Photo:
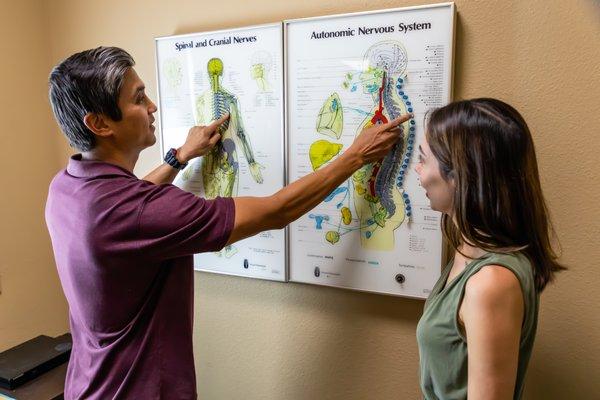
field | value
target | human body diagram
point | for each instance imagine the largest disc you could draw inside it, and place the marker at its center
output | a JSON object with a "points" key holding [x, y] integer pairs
{"points": [[374, 201], [220, 167]]}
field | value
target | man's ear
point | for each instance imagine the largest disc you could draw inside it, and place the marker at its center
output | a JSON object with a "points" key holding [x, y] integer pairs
{"points": [[97, 124]]}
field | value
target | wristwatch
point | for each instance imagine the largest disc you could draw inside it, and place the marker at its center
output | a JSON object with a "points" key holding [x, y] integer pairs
{"points": [[171, 159]]}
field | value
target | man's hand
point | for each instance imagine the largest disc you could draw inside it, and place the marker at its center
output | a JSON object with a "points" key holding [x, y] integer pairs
{"points": [[374, 142], [200, 140]]}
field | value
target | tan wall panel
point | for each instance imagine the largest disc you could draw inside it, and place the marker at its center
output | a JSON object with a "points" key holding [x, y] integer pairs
{"points": [[32, 302]]}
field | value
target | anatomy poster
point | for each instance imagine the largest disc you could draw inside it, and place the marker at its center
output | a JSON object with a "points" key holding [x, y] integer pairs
{"points": [[240, 72], [375, 232]]}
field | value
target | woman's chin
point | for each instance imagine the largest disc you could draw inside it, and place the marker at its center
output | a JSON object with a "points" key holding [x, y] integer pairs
{"points": [[433, 206]]}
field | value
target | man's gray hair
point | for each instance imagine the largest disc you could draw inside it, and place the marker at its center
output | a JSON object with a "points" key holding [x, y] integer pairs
{"points": [[87, 82]]}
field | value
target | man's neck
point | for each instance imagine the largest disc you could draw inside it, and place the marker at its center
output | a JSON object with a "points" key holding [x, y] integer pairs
{"points": [[111, 156]]}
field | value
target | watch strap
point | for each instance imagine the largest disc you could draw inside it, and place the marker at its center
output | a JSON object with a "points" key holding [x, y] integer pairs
{"points": [[171, 159]]}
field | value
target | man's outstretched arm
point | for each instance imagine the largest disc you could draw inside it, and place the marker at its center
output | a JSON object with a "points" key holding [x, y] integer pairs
{"points": [[257, 214]]}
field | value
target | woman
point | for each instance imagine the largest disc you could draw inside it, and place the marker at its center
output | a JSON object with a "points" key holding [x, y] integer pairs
{"points": [[479, 168]]}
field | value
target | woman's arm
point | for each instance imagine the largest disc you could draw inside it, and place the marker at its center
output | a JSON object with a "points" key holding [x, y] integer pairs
{"points": [[492, 313]]}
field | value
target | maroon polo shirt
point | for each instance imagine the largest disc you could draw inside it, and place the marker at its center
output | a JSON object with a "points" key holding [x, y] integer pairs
{"points": [[123, 249]]}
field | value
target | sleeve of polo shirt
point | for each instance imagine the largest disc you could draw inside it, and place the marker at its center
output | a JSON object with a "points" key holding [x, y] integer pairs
{"points": [[175, 223]]}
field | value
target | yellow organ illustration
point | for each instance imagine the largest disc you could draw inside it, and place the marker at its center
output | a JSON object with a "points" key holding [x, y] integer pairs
{"points": [[331, 117], [322, 151], [346, 215]]}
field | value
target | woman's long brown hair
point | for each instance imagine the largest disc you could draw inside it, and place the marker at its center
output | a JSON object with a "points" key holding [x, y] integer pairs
{"points": [[485, 146]]}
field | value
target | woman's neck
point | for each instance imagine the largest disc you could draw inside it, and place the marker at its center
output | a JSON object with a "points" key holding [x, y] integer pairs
{"points": [[471, 252]]}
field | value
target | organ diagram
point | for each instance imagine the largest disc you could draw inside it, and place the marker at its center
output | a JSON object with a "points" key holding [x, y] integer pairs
{"points": [[374, 202], [261, 65], [347, 73]]}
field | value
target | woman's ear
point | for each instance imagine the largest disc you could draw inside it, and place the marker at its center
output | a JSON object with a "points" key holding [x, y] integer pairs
{"points": [[96, 123], [451, 178]]}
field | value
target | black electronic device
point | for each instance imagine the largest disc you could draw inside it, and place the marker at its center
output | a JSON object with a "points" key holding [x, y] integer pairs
{"points": [[29, 360]]}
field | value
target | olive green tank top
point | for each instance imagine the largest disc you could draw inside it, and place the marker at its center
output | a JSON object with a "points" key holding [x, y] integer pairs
{"points": [[442, 346]]}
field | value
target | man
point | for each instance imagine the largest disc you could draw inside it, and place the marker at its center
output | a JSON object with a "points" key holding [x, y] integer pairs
{"points": [[124, 246]]}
